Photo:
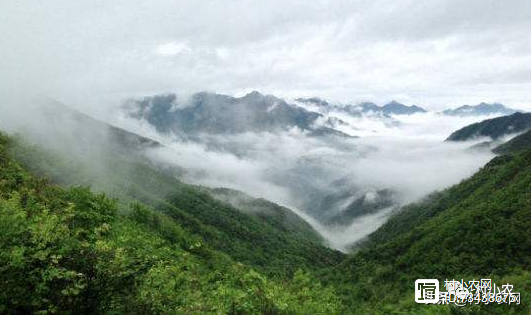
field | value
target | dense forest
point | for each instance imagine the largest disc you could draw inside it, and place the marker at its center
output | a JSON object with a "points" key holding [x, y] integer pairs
{"points": [[476, 229], [70, 250]]}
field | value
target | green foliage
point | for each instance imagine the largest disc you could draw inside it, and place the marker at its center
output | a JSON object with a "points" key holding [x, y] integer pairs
{"points": [[69, 251], [270, 239], [516, 144], [476, 229], [46, 237]]}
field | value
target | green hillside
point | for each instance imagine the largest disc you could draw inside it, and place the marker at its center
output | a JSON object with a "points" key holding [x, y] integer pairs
{"points": [[476, 229], [268, 211], [70, 251], [516, 144], [274, 247]]}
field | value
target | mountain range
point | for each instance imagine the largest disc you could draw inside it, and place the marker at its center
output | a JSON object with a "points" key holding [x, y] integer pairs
{"points": [[218, 115], [221, 114], [396, 108], [211, 113], [391, 108]]}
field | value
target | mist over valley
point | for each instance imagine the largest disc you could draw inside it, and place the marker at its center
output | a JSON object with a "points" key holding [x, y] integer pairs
{"points": [[272, 157]]}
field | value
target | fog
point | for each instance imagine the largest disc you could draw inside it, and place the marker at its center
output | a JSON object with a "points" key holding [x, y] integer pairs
{"points": [[409, 158], [298, 171]]}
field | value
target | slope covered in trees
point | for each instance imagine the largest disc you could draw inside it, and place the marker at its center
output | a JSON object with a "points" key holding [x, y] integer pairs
{"points": [[69, 250], [516, 144], [120, 169], [271, 212], [476, 229]]}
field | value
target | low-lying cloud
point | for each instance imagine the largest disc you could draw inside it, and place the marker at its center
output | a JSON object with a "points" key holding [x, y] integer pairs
{"points": [[291, 168], [298, 171]]}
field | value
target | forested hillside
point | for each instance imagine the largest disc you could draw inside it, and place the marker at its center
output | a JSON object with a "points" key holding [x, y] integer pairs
{"points": [[120, 170], [516, 144], [476, 229], [68, 250]]}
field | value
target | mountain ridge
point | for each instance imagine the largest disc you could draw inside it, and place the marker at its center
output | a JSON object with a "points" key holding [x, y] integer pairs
{"points": [[494, 127], [481, 109], [475, 229], [124, 173], [222, 114], [391, 108]]}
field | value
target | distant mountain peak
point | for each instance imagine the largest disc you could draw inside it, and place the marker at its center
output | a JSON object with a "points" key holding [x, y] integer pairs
{"points": [[394, 103], [396, 108], [481, 109], [212, 113], [313, 100], [253, 94], [391, 108], [369, 106]]}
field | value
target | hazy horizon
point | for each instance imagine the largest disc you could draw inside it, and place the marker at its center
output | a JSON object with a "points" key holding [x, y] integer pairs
{"points": [[436, 54]]}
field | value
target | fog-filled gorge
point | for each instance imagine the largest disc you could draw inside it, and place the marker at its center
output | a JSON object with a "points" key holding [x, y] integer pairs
{"points": [[372, 170], [320, 176]]}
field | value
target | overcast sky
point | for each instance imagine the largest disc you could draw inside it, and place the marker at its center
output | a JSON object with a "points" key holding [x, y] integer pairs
{"points": [[432, 53]]}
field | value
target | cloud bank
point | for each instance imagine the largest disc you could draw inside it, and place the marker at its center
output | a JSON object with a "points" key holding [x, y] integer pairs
{"points": [[436, 53], [411, 159]]}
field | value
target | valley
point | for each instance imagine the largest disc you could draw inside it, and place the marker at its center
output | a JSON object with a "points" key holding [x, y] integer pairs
{"points": [[334, 208]]}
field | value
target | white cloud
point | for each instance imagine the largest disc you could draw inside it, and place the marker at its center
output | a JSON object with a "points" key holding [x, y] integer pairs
{"points": [[171, 49], [434, 53], [296, 171]]}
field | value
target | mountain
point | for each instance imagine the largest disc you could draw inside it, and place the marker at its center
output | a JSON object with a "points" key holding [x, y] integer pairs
{"points": [[314, 100], [493, 128], [348, 201], [368, 203], [368, 106], [391, 108], [90, 155], [395, 108], [69, 250], [269, 211], [482, 109], [477, 229], [516, 144], [221, 114]]}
